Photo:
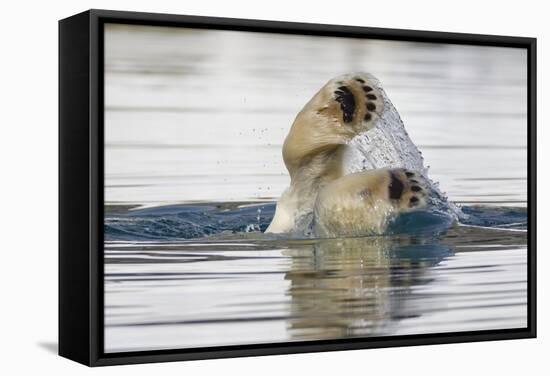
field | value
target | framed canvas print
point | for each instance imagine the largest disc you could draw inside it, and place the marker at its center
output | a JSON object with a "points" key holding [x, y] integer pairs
{"points": [[236, 187]]}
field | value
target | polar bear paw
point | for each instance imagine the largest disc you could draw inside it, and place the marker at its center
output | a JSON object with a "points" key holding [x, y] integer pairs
{"points": [[343, 108], [359, 102], [407, 189]]}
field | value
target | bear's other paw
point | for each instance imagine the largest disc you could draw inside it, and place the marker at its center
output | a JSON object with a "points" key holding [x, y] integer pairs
{"points": [[407, 189], [363, 203]]}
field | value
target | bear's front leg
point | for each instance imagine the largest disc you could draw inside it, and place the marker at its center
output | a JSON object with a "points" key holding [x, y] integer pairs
{"points": [[343, 108]]}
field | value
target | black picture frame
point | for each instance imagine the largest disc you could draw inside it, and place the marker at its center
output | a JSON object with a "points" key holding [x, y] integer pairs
{"points": [[81, 186]]}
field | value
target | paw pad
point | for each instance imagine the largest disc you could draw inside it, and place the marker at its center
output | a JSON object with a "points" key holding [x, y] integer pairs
{"points": [[347, 103], [396, 187], [367, 89], [407, 189], [360, 103]]}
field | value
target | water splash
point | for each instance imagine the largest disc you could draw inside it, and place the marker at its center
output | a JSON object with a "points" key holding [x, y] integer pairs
{"points": [[388, 145]]}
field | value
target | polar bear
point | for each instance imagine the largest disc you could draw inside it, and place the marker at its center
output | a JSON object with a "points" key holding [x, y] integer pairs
{"points": [[321, 195]]}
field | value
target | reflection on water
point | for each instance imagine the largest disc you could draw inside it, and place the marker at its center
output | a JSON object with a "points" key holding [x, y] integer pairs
{"points": [[196, 116], [247, 290], [356, 287]]}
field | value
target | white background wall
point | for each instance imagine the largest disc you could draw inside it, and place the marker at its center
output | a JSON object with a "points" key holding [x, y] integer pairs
{"points": [[28, 277]]}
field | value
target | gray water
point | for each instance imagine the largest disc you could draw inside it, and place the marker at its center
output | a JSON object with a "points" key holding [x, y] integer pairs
{"points": [[196, 116]]}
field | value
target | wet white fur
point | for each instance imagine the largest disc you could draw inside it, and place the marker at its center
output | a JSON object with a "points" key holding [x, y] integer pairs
{"points": [[313, 154]]}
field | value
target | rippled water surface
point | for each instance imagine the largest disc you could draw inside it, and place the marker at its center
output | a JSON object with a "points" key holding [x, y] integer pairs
{"points": [[194, 125]]}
